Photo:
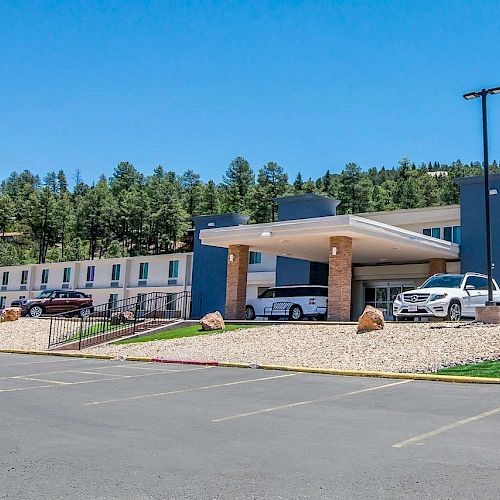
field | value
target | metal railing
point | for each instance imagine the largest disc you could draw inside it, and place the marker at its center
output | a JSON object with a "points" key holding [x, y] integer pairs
{"points": [[121, 318]]}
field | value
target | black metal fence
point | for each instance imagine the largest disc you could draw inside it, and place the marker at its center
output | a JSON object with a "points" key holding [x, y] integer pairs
{"points": [[121, 318]]}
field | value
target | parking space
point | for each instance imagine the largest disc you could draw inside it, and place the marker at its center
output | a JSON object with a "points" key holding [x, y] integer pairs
{"points": [[84, 428]]}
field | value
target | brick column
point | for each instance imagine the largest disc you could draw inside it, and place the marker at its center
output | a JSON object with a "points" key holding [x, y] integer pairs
{"points": [[339, 278], [437, 266], [236, 288]]}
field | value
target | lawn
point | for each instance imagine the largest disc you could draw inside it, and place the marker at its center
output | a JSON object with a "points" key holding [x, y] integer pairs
{"points": [[177, 333], [485, 369]]}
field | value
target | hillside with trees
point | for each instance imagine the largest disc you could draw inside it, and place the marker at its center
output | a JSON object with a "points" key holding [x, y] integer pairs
{"points": [[127, 214]]}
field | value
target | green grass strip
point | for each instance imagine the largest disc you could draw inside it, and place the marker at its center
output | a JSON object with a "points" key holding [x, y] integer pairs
{"points": [[185, 331], [484, 369]]}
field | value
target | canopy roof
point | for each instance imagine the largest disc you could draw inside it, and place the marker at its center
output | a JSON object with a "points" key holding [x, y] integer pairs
{"points": [[373, 242]]}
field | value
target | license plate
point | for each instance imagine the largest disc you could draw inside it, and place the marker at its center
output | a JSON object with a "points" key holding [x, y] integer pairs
{"points": [[412, 309]]}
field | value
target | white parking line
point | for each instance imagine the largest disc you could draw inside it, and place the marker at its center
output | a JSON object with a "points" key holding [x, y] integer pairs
{"points": [[66, 360], [311, 401], [192, 389], [56, 383], [445, 428]]}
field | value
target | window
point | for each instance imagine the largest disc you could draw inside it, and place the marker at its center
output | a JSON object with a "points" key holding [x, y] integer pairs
{"points": [[77, 295], [115, 273], [452, 233], [435, 232], [66, 274], [173, 269], [45, 276], [477, 282], [171, 304], [255, 258], [24, 277], [5, 278], [90, 273], [143, 270], [61, 295], [113, 300], [444, 281], [268, 294], [2, 302], [141, 301]]}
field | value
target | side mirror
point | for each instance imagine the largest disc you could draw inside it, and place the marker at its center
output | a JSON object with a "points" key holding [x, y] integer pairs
{"points": [[470, 287]]}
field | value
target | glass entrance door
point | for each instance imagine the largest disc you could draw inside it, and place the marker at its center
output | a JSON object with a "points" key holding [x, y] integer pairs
{"points": [[383, 295]]}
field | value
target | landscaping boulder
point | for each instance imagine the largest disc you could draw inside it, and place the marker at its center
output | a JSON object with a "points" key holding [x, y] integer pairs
{"points": [[10, 314], [371, 319], [212, 321]]}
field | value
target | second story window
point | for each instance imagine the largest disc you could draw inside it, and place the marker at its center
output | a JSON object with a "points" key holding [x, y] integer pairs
{"points": [[143, 270], [45, 276], [115, 272], [435, 232], [66, 274], [5, 278], [90, 273], [452, 233], [173, 269], [24, 277], [255, 258]]}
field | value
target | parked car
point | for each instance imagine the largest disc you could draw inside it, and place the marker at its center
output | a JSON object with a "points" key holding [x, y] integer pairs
{"points": [[448, 296], [55, 301], [294, 302]]}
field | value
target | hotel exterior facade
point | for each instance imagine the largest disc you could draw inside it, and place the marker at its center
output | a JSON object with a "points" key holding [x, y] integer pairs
{"points": [[363, 258]]}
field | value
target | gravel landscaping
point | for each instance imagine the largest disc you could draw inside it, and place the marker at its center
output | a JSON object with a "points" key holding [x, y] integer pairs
{"points": [[400, 347], [25, 333]]}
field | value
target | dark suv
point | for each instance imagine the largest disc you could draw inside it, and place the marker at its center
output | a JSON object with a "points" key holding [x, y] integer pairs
{"points": [[55, 301]]}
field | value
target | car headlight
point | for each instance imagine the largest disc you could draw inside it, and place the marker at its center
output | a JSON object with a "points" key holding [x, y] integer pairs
{"points": [[437, 296], [398, 297]]}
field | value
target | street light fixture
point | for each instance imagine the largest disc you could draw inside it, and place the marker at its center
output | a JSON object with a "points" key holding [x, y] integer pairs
{"points": [[474, 95]]}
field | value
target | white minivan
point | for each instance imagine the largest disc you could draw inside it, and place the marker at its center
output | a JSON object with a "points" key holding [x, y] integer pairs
{"points": [[293, 302]]}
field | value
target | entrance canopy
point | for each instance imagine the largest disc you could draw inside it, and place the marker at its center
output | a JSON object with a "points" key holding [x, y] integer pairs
{"points": [[372, 242]]}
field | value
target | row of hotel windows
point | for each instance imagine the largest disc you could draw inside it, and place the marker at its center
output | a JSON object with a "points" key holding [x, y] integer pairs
{"points": [[448, 233], [173, 273]]}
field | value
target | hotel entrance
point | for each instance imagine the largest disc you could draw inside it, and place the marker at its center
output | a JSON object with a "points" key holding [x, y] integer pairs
{"points": [[382, 295]]}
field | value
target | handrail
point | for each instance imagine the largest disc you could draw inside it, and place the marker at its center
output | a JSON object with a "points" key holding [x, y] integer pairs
{"points": [[121, 318]]}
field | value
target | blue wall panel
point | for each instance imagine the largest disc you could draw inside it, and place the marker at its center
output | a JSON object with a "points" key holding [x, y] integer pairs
{"points": [[473, 245], [210, 263]]}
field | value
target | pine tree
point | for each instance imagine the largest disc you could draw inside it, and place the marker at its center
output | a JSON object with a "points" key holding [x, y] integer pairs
{"points": [[238, 180]]}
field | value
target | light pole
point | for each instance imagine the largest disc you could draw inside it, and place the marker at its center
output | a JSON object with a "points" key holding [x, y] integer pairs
{"points": [[473, 95]]}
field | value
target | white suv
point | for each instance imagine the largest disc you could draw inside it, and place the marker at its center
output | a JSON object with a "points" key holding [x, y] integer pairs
{"points": [[294, 302], [449, 296]]}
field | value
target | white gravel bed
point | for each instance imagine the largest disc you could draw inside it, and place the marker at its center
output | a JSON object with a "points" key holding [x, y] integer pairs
{"points": [[25, 333], [400, 347]]}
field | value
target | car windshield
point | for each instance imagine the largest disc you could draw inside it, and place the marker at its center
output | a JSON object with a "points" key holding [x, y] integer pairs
{"points": [[444, 281], [44, 295]]}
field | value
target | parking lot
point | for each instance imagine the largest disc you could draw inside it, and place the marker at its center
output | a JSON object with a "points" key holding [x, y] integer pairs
{"points": [[83, 428]]}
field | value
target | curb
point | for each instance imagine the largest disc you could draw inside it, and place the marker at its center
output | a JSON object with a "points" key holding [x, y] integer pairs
{"points": [[298, 369]]}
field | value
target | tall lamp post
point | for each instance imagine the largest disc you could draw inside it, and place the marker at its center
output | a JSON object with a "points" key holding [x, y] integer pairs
{"points": [[473, 95]]}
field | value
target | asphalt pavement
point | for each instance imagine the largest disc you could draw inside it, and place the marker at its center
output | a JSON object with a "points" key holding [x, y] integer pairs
{"points": [[82, 428]]}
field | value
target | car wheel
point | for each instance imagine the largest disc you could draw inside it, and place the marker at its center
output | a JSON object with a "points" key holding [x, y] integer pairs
{"points": [[84, 313], [35, 311], [454, 311], [249, 313], [296, 313]]}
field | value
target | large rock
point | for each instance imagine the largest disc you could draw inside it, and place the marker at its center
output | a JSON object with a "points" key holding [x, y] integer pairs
{"points": [[10, 314], [371, 319], [213, 321]]}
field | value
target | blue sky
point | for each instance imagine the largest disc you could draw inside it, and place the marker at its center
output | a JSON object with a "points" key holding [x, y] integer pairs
{"points": [[310, 85]]}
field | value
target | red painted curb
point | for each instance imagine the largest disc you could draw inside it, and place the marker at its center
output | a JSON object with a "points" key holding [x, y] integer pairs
{"points": [[183, 362]]}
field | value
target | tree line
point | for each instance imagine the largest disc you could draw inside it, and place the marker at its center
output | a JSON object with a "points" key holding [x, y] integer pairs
{"points": [[132, 214]]}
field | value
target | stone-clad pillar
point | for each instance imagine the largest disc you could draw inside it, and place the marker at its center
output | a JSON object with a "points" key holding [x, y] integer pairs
{"points": [[236, 288], [339, 278], [437, 266]]}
